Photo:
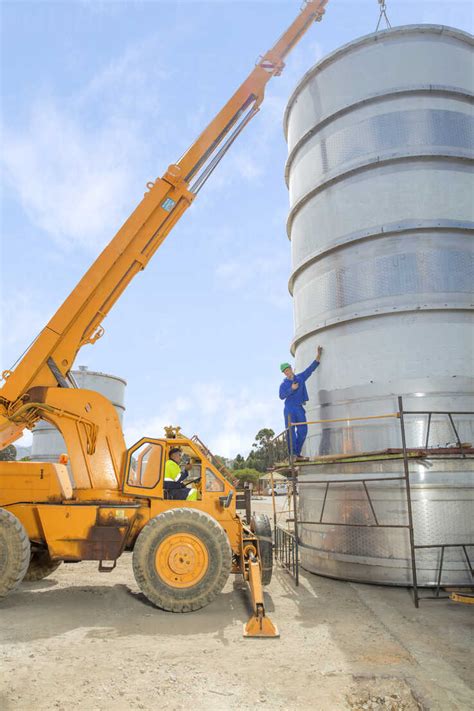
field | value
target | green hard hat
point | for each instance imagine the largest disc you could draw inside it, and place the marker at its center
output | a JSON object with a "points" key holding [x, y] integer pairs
{"points": [[284, 366]]}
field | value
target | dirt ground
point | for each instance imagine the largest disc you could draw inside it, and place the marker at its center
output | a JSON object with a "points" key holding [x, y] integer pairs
{"points": [[90, 641]]}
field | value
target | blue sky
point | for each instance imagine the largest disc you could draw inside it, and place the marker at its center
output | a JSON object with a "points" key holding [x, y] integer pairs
{"points": [[97, 99]]}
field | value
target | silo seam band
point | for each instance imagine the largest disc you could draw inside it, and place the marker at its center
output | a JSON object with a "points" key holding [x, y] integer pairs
{"points": [[360, 315], [380, 233], [429, 155], [399, 92]]}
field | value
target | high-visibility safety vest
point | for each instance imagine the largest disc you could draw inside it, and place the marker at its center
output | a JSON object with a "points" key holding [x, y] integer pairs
{"points": [[172, 471]]}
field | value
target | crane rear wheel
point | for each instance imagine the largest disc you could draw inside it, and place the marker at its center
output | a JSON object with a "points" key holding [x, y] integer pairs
{"points": [[182, 559], [260, 525], [40, 566], [14, 552]]}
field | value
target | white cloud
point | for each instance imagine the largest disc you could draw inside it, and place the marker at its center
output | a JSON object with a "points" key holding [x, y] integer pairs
{"points": [[22, 317], [232, 274], [225, 418], [26, 440], [122, 87], [257, 276], [77, 177], [75, 162], [247, 166], [73, 183]]}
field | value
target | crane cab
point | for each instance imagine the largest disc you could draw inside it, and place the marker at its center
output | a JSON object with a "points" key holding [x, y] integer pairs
{"points": [[144, 473]]}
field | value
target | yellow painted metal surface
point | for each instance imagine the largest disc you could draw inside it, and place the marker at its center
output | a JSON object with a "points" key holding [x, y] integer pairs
{"points": [[182, 560], [66, 528], [92, 433], [463, 597], [259, 625], [33, 481], [86, 532], [28, 515]]}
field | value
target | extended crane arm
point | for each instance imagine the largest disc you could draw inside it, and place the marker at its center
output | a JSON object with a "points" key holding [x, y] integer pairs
{"points": [[78, 321]]}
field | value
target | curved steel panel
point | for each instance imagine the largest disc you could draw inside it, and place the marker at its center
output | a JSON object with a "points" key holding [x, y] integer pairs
{"points": [[381, 62], [398, 134], [410, 95], [432, 192], [381, 143], [442, 513]]}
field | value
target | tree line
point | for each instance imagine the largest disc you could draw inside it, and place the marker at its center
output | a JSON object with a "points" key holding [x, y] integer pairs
{"points": [[263, 454]]}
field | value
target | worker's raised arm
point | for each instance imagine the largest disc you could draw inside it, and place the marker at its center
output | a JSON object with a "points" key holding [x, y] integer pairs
{"points": [[78, 321], [304, 375]]}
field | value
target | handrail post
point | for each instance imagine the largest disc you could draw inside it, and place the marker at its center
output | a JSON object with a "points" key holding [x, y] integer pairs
{"points": [[273, 502], [456, 434], [406, 469], [295, 502]]}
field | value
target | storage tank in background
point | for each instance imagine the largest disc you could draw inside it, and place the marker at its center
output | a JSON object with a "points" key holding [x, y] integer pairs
{"points": [[47, 441], [380, 137]]}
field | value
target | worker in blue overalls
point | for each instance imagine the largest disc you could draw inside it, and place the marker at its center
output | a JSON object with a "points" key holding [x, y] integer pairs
{"points": [[293, 392]]}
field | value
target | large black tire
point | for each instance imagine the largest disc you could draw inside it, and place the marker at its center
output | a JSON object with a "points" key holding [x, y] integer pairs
{"points": [[182, 559], [261, 526], [40, 566], [14, 552]]}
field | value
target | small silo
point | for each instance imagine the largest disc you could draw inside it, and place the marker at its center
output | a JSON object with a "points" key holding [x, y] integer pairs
{"points": [[380, 138], [47, 441]]}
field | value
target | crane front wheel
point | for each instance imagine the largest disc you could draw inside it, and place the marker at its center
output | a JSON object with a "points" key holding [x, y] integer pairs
{"points": [[40, 566], [182, 559], [14, 552]]}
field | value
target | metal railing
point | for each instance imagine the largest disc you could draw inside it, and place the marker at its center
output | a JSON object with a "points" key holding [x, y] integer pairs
{"points": [[282, 546], [286, 550], [442, 546]]}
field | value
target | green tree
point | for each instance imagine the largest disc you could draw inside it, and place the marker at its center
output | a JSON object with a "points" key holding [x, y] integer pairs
{"points": [[260, 456], [225, 467], [247, 474], [239, 462], [8, 454], [264, 437]]}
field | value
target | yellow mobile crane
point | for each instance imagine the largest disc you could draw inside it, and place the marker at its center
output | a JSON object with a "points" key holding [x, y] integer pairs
{"points": [[183, 551]]}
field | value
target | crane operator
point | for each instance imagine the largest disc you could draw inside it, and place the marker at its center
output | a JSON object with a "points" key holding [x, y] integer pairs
{"points": [[174, 477]]}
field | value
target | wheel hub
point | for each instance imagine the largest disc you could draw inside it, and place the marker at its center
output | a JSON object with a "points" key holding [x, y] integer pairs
{"points": [[181, 560]]}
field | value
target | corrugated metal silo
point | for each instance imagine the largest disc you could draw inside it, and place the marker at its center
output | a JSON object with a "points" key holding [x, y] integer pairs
{"points": [[380, 137]]}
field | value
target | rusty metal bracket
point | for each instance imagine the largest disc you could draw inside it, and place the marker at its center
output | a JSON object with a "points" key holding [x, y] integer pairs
{"points": [[107, 568]]}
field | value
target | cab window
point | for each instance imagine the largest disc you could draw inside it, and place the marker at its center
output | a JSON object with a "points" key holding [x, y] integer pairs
{"points": [[145, 466], [213, 483]]}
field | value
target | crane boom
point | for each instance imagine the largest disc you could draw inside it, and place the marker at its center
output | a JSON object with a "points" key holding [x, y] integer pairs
{"points": [[48, 361]]}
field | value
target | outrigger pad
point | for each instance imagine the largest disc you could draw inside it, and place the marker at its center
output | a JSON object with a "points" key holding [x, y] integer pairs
{"points": [[260, 627]]}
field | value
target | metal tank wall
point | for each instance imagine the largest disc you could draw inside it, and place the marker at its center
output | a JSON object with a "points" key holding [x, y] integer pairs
{"points": [[380, 137], [47, 442]]}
